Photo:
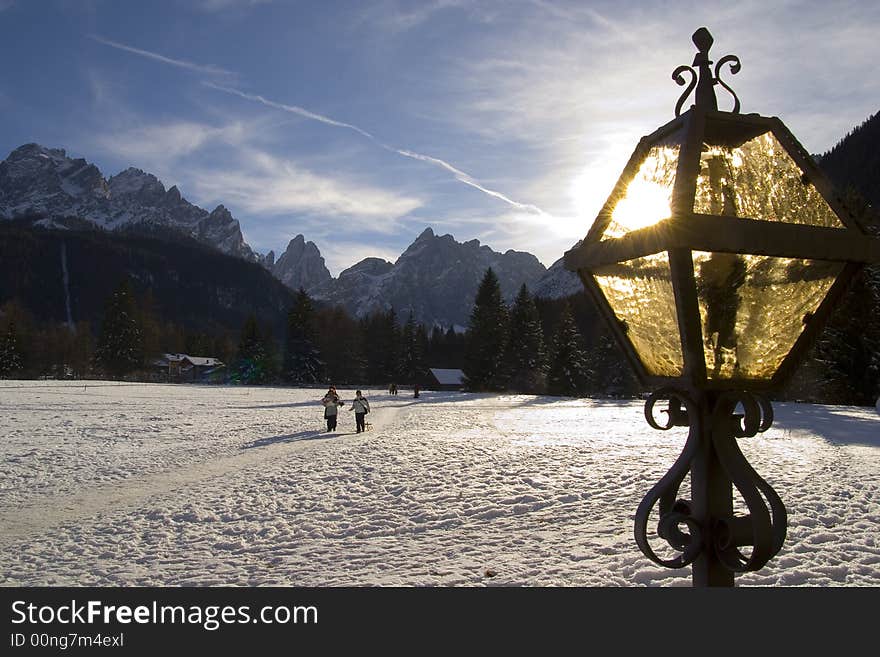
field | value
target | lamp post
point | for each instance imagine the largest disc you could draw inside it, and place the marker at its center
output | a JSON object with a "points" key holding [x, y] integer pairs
{"points": [[716, 260]]}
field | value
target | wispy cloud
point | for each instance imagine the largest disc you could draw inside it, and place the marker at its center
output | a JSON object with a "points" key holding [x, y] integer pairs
{"points": [[158, 145], [222, 5], [264, 184], [392, 17], [459, 175], [180, 63], [251, 179], [6, 4]]}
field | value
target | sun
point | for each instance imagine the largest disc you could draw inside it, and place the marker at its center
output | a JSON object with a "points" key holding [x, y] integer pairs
{"points": [[648, 197], [645, 204]]}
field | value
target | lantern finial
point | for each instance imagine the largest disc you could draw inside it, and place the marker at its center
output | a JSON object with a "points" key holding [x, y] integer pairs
{"points": [[705, 81]]}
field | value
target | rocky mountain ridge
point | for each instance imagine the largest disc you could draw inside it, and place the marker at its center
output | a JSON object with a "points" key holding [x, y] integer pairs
{"points": [[58, 191], [435, 278]]}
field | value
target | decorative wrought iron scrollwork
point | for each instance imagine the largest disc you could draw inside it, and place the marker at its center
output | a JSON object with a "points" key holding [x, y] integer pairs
{"points": [[673, 513], [763, 529], [704, 81], [679, 80], [735, 66]]}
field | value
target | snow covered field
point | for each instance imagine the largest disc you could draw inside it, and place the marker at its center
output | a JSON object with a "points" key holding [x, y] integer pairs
{"points": [[141, 484]]}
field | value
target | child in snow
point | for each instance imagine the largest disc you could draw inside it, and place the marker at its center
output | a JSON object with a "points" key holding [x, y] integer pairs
{"points": [[331, 404], [361, 407]]}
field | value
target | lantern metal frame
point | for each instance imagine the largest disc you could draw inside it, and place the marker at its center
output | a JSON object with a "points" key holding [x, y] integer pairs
{"points": [[686, 231], [719, 411]]}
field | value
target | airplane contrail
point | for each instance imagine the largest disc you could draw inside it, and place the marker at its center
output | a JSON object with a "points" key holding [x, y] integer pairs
{"points": [[180, 63], [459, 175], [293, 109]]}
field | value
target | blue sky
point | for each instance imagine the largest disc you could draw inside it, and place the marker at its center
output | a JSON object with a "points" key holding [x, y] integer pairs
{"points": [[359, 123]]}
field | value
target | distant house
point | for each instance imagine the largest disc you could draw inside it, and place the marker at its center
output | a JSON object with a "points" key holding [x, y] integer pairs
{"points": [[183, 367], [445, 379]]}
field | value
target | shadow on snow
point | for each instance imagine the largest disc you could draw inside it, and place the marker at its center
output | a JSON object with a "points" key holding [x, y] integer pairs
{"points": [[839, 427], [292, 438]]}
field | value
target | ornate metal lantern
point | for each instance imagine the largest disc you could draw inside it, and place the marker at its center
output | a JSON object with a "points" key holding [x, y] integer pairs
{"points": [[716, 259]]}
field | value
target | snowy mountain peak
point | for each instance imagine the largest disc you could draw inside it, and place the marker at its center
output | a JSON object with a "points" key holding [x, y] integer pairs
{"points": [[134, 181], [40, 181], [369, 266], [558, 282], [221, 214], [30, 151], [435, 277]]}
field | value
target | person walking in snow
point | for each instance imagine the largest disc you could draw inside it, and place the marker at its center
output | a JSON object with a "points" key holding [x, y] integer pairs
{"points": [[361, 407], [331, 404]]}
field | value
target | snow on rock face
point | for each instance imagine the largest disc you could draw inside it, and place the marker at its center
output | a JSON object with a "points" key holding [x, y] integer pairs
{"points": [[558, 283], [436, 278], [223, 231], [120, 491], [136, 182], [358, 287], [35, 180]]}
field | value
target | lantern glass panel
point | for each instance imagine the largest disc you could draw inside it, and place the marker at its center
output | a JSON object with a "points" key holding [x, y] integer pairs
{"points": [[646, 199], [640, 293], [752, 309], [758, 179]]}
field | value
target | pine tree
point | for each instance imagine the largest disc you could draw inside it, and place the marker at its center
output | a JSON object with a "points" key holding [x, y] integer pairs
{"points": [[525, 360], [413, 340], [302, 361], [848, 351], [422, 342], [390, 346], [252, 363], [607, 370], [11, 362], [382, 340], [445, 349], [341, 346], [455, 346], [120, 345], [487, 331], [568, 368], [148, 320], [82, 350]]}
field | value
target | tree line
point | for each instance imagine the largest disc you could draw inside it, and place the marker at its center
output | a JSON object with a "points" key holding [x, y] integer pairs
{"points": [[537, 346], [320, 345], [532, 345], [502, 349]]}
